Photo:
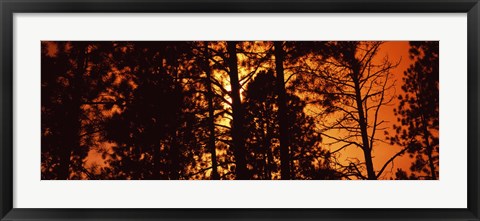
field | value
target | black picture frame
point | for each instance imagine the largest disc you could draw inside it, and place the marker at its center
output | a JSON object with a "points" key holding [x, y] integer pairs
{"points": [[9, 7]]}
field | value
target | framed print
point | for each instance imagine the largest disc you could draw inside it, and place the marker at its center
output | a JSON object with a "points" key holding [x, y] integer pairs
{"points": [[195, 110]]}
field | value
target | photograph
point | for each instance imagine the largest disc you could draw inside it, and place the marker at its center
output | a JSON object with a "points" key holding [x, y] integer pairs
{"points": [[240, 110]]}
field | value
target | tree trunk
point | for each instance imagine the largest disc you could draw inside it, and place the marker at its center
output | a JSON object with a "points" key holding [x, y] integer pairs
{"points": [[268, 146], [72, 116], [211, 117], [267, 151], [429, 147], [282, 115], [237, 113], [363, 126]]}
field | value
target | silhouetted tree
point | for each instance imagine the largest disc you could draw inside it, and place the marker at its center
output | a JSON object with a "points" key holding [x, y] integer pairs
{"points": [[363, 88], [211, 112], [145, 130], [261, 126], [303, 67], [154, 132], [71, 78], [418, 111], [282, 112], [263, 132], [250, 58], [237, 113], [54, 78]]}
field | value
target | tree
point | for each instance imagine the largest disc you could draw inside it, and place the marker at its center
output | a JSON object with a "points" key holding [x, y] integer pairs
{"points": [[237, 113], [211, 113], [418, 111], [282, 109], [71, 77], [55, 151], [263, 132], [261, 126], [143, 125], [362, 87], [156, 131], [250, 58]]}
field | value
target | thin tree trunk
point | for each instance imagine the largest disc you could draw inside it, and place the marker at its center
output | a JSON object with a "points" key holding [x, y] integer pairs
{"points": [[433, 174], [72, 116], [211, 118], [429, 147], [268, 147], [363, 126], [282, 115], [237, 113]]}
